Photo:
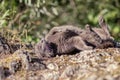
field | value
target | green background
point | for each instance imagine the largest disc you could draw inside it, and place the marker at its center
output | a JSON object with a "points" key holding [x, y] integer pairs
{"points": [[29, 20]]}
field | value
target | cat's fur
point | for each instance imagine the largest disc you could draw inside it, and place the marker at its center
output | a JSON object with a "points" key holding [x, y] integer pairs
{"points": [[66, 39]]}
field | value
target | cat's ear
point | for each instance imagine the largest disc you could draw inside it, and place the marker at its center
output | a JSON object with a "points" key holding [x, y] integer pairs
{"points": [[88, 27], [104, 25], [101, 20]]}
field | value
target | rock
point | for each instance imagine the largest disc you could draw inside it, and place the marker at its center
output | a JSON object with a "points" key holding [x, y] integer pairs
{"points": [[69, 72], [95, 64], [15, 66], [2, 73], [52, 66], [34, 66], [4, 46]]}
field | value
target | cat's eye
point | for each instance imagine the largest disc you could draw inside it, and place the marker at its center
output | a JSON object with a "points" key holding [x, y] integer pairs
{"points": [[54, 32]]}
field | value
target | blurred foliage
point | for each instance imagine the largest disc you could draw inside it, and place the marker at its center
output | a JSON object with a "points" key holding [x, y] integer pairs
{"points": [[32, 19]]}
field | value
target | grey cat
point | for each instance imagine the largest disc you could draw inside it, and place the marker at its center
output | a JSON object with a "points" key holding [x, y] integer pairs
{"points": [[67, 39]]}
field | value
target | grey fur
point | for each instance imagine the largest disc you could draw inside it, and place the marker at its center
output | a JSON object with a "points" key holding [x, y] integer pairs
{"points": [[69, 38], [42, 49]]}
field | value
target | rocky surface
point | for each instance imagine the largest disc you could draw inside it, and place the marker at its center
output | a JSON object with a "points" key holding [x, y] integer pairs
{"points": [[98, 64]]}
